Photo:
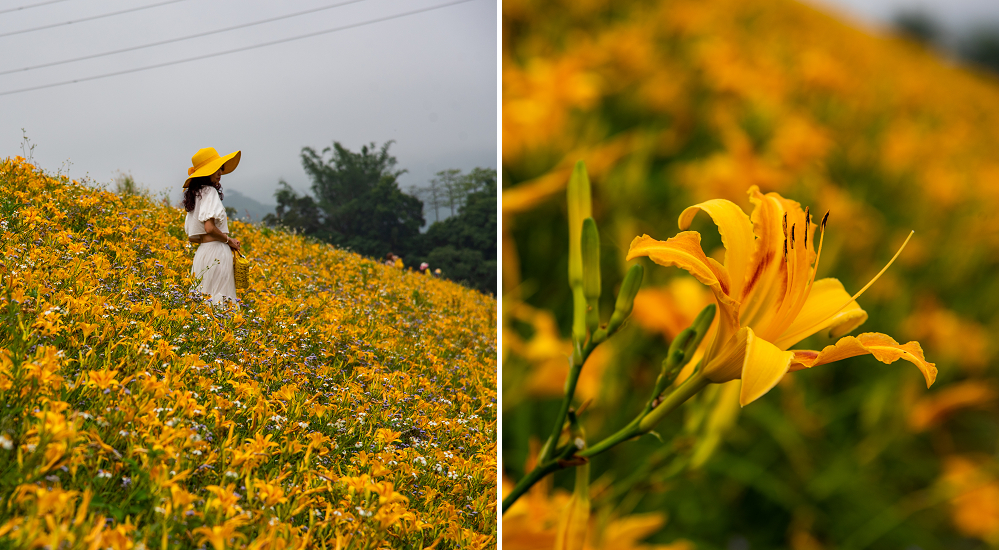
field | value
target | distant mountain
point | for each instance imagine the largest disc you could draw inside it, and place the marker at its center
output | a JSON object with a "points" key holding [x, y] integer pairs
{"points": [[247, 209]]}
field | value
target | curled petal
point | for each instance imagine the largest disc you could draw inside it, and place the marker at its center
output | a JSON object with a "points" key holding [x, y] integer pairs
{"points": [[727, 363], [737, 237], [684, 251], [882, 347], [764, 366], [817, 314], [759, 363]]}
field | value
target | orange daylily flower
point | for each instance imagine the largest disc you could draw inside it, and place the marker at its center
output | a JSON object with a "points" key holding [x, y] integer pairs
{"points": [[768, 296]]}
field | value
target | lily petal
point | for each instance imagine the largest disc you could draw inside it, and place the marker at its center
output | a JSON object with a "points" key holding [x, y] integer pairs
{"points": [[759, 363], [737, 237], [684, 251], [728, 363], [881, 346], [767, 276], [764, 366], [816, 314]]}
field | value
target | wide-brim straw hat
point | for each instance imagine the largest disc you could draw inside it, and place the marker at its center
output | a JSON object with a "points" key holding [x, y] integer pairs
{"points": [[207, 161]]}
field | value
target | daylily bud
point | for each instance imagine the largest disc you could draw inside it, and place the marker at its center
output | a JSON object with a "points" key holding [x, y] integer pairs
{"points": [[626, 296], [700, 326], [579, 319], [669, 369], [591, 249], [578, 201], [681, 342]]}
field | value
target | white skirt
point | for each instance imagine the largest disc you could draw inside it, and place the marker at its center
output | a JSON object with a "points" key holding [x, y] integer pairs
{"points": [[213, 265]]}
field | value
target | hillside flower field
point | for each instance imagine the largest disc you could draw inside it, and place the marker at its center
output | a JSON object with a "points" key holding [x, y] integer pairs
{"points": [[345, 404], [718, 103]]}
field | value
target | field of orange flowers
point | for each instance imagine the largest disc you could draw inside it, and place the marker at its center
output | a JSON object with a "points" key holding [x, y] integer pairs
{"points": [[671, 103], [346, 404]]}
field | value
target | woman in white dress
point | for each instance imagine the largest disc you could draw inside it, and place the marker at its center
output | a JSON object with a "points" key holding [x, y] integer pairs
{"points": [[206, 223]]}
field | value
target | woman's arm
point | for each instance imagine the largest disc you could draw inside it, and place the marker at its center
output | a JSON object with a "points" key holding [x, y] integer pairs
{"points": [[218, 235]]}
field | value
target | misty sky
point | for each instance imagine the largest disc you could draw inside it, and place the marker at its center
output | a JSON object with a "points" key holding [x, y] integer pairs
{"points": [[427, 81], [954, 15]]}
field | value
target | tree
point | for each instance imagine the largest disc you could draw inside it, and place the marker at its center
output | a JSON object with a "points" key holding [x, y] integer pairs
{"points": [[464, 246], [297, 212], [433, 196], [358, 203], [918, 26], [451, 188]]}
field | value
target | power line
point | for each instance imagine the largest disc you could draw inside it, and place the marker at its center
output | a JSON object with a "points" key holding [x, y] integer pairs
{"points": [[31, 6], [188, 37], [261, 45], [91, 18]]}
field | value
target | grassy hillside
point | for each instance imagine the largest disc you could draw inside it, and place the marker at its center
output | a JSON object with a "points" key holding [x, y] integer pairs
{"points": [[345, 405]]}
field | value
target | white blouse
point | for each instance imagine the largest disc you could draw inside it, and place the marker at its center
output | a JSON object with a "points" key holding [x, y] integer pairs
{"points": [[207, 204]]}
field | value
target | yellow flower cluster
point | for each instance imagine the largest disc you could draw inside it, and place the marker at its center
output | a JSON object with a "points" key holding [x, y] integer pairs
{"points": [[345, 404]]}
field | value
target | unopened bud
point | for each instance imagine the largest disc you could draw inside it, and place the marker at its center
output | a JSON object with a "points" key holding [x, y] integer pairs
{"points": [[578, 202], [591, 249], [700, 327], [626, 297]]}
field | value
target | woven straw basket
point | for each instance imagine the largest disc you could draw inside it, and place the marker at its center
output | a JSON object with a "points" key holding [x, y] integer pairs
{"points": [[241, 270]]}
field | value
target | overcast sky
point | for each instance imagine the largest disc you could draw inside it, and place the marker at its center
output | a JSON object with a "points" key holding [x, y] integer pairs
{"points": [[955, 15], [427, 81]]}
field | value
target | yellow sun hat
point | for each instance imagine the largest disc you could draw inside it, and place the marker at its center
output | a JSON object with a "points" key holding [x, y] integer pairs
{"points": [[207, 161]]}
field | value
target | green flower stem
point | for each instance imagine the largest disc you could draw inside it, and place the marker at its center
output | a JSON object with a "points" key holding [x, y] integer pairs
{"points": [[639, 426], [647, 420], [534, 476], [694, 384], [568, 392]]}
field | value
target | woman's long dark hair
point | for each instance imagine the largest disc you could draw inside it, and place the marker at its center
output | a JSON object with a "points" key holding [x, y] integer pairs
{"points": [[195, 187]]}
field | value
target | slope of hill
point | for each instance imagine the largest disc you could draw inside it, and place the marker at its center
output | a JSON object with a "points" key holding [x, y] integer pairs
{"points": [[346, 404]]}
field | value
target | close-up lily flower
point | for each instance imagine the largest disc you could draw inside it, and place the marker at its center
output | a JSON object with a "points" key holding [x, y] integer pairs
{"points": [[768, 296]]}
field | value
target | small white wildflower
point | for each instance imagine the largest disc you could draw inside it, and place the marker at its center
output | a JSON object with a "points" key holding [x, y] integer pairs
{"points": [[6, 442]]}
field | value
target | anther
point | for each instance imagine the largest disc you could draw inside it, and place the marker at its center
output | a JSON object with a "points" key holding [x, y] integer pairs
{"points": [[805, 243], [825, 216]]}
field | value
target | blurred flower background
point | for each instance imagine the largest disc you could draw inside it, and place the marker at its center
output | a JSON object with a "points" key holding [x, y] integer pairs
{"points": [[673, 103]]}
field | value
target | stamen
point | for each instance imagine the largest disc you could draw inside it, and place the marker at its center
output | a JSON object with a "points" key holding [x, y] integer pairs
{"points": [[822, 231], [871, 282], [793, 236], [784, 230], [811, 328], [805, 243]]}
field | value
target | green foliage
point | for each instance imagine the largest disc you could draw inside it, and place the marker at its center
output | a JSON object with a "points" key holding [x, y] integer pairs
{"points": [[125, 185], [357, 204], [464, 246]]}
